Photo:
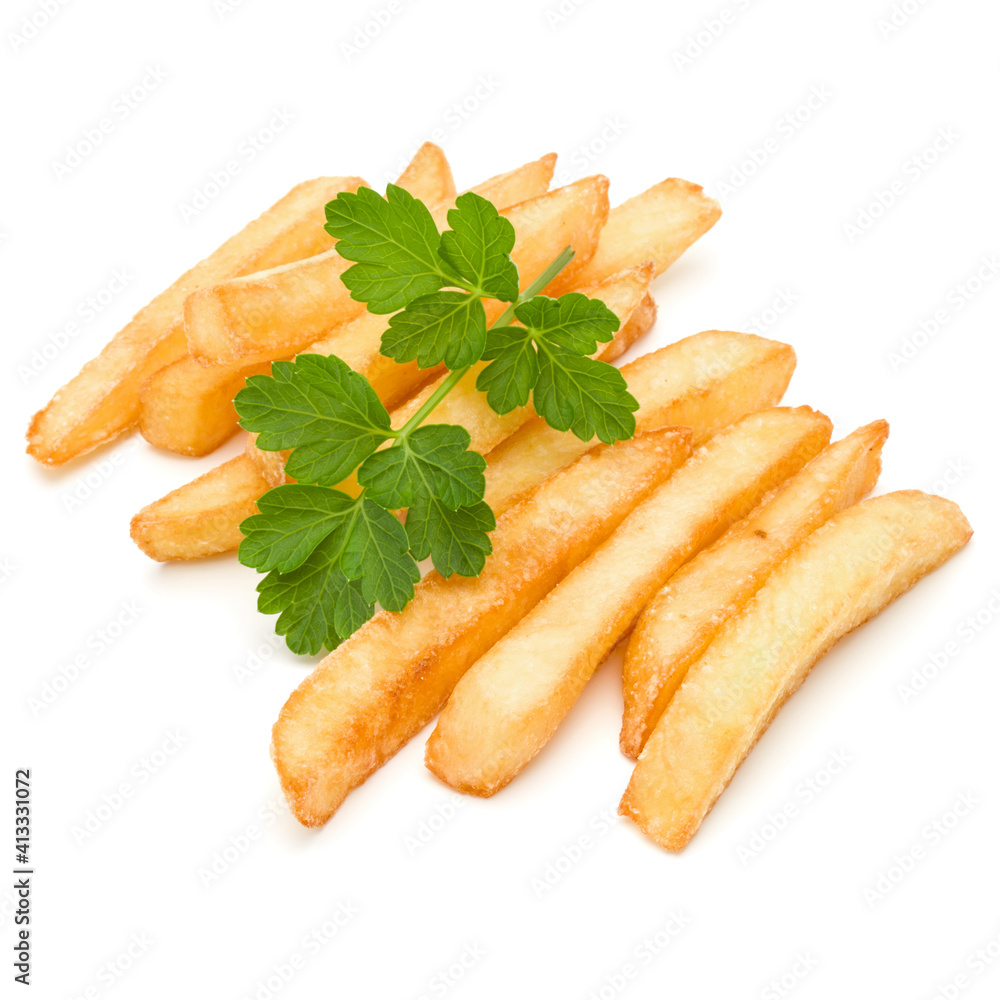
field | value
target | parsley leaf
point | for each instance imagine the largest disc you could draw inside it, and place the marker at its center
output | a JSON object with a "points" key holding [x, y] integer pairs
{"points": [[478, 245], [394, 242], [509, 380], [292, 522], [445, 326], [587, 397], [457, 540], [572, 321], [433, 460], [329, 414], [376, 553], [319, 607], [546, 357]]}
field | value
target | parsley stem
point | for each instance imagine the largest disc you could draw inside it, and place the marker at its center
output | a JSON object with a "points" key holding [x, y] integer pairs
{"points": [[505, 317]]}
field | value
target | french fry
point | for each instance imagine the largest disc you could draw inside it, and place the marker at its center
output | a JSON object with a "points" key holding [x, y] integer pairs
{"points": [[389, 679], [273, 314], [676, 627], [506, 708], [704, 382], [844, 573], [203, 517], [428, 175], [657, 225], [102, 401], [187, 407]]}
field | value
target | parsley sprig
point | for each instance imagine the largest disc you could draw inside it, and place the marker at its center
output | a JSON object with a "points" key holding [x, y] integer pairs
{"points": [[331, 554]]}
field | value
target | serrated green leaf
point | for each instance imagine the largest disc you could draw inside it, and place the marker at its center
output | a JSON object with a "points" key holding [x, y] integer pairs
{"points": [[572, 321], [434, 459], [292, 522], [444, 326], [582, 395], [458, 541], [319, 607], [478, 245], [321, 408], [513, 369], [394, 242], [375, 552]]}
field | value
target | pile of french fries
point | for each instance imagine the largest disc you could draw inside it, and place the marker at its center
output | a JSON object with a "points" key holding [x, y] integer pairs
{"points": [[728, 542]]}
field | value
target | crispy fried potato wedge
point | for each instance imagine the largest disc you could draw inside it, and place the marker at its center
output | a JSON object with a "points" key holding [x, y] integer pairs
{"points": [[844, 573], [676, 627], [705, 382], [657, 225], [275, 313], [203, 517], [389, 679], [625, 294], [428, 175], [505, 709], [187, 407], [103, 400]]}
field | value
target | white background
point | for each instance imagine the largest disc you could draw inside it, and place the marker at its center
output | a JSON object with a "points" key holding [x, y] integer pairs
{"points": [[603, 87]]}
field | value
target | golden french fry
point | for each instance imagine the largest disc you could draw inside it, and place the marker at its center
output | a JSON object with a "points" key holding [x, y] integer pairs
{"points": [[704, 382], [389, 679], [275, 313], [103, 400], [202, 517], [187, 407], [428, 175], [625, 294], [676, 627], [839, 577], [508, 705], [657, 225]]}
